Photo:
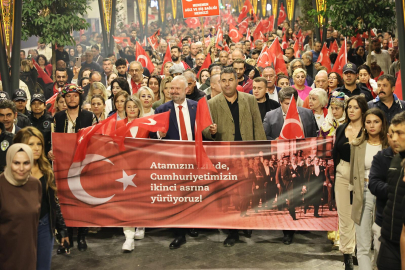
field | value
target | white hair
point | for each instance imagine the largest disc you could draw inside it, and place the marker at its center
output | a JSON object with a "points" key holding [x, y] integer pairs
{"points": [[321, 94]]}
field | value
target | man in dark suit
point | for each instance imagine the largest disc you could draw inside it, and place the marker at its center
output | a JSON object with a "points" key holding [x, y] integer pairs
{"points": [[274, 120], [317, 176], [270, 182], [182, 120]]}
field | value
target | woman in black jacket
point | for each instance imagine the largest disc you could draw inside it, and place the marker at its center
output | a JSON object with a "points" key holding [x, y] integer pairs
{"points": [[345, 135], [51, 216]]}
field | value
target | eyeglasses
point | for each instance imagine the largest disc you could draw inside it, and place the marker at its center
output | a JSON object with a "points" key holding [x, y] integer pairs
{"points": [[332, 78]]}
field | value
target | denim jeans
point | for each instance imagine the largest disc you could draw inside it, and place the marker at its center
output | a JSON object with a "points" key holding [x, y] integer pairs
{"points": [[45, 244], [364, 234]]}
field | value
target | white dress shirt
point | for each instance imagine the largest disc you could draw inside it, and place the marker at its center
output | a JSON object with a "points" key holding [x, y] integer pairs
{"points": [[186, 115]]}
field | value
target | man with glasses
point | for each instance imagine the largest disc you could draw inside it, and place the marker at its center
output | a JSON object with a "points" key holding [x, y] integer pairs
{"points": [[135, 82], [272, 90]]}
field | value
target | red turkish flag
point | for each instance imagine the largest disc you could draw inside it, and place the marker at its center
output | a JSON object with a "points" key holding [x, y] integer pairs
{"points": [[202, 120], [206, 64], [152, 123], [359, 40], [268, 24], [391, 44], [226, 47], [41, 73], [324, 58], [153, 40], [292, 127], [193, 22], [284, 44], [263, 59], [168, 58], [231, 20], [281, 15], [143, 58], [297, 49], [207, 41], [334, 48], [243, 26], [109, 127], [247, 6], [120, 40], [234, 34], [276, 57], [219, 38], [341, 59], [249, 38], [259, 28], [398, 86], [51, 101], [84, 136], [365, 34]]}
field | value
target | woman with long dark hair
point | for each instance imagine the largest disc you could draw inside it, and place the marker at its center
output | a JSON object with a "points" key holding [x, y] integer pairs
{"points": [[363, 150], [346, 134], [51, 216]]}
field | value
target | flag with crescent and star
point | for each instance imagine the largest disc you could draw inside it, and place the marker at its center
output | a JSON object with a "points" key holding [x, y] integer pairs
{"points": [[84, 136], [292, 127], [168, 58], [143, 58], [281, 15], [234, 34], [246, 8], [152, 123], [324, 59], [341, 59], [193, 22]]}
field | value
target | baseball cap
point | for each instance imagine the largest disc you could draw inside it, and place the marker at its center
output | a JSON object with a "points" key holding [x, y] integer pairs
{"points": [[350, 67], [19, 95], [4, 96], [39, 97]]}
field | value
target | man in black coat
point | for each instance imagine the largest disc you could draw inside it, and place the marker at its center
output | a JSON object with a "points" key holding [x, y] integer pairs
{"points": [[192, 91], [70, 121], [41, 119], [389, 257]]}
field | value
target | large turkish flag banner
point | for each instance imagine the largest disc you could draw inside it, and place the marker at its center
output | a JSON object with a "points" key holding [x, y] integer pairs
{"points": [[157, 183]]}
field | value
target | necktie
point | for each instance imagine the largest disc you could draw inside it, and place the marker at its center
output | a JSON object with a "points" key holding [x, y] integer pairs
{"points": [[183, 130]]}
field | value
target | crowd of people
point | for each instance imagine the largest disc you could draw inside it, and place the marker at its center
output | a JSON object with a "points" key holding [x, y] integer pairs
{"points": [[358, 106]]}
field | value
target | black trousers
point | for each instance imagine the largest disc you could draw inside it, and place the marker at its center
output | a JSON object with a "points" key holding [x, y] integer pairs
{"points": [[389, 257]]}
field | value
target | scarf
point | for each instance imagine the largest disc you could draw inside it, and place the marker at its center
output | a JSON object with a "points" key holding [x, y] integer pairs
{"points": [[12, 151]]}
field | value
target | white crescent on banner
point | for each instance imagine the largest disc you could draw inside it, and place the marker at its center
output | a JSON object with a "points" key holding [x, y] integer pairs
{"points": [[281, 14], [76, 186], [244, 9], [152, 122], [193, 21], [145, 59], [340, 58], [237, 34], [320, 58], [287, 122]]}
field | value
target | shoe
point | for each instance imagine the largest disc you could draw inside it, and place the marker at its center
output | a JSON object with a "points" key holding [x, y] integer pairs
{"points": [[231, 240], [81, 243], [247, 233], [177, 242], [128, 245], [336, 244], [139, 233], [348, 261], [193, 232], [287, 239]]}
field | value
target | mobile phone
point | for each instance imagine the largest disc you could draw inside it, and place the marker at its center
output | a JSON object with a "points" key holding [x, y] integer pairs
{"points": [[29, 56], [78, 63]]}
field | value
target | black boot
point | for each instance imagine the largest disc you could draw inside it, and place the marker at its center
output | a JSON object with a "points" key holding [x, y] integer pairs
{"points": [[348, 260], [81, 242]]}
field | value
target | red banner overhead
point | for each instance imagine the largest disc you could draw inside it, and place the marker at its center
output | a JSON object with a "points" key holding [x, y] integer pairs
{"points": [[200, 8], [284, 184]]}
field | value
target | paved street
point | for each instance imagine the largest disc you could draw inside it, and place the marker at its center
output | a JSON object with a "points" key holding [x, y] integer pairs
{"points": [[310, 250]]}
